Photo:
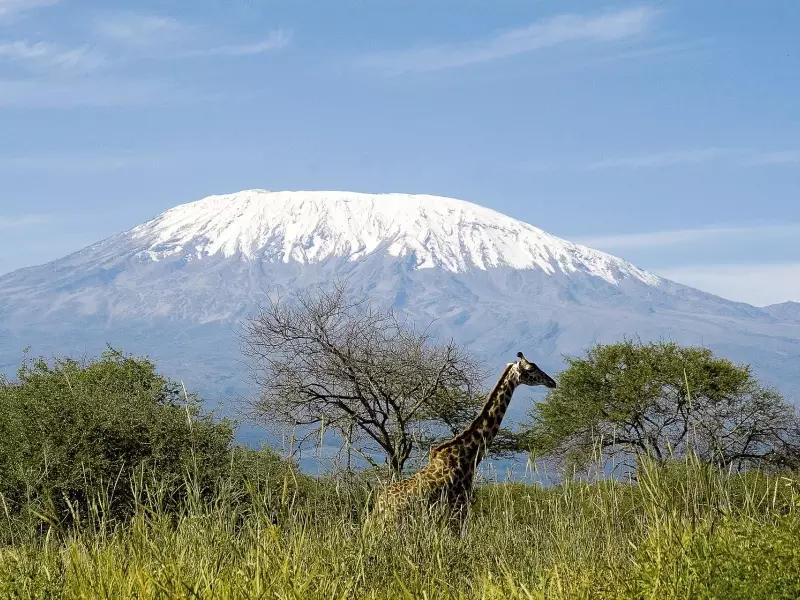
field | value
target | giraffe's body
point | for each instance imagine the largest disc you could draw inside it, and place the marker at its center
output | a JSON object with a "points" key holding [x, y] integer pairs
{"points": [[448, 477]]}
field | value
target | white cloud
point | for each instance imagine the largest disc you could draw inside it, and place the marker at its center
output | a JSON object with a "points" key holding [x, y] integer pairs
{"points": [[739, 157], [25, 51], [12, 9], [562, 29], [59, 76], [157, 36], [72, 162], [678, 237], [20, 221], [756, 284], [785, 157], [141, 30], [93, 93], [669, 50], [275, 41], [48, 55], [663, 159]]}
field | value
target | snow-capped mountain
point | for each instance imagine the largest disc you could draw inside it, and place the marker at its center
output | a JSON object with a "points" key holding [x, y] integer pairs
{"points": [[307, 227], [175, 287]]}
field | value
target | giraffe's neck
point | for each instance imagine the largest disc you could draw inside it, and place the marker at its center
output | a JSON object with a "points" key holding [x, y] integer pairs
{"points": [[477, 437]]}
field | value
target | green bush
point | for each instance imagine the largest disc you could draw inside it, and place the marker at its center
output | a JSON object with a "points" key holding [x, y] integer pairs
{"points": [[630, 400], [77, 435]]}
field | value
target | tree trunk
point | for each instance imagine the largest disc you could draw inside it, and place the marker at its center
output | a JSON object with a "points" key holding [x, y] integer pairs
{"points": [[397, 460], [395, 467]]}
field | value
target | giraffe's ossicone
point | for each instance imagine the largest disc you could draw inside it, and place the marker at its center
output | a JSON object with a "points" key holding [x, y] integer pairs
{"points": [[447, 480]]}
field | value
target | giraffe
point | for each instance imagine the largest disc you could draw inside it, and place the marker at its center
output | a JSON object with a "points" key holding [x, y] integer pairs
{"points": [[447, 479]]}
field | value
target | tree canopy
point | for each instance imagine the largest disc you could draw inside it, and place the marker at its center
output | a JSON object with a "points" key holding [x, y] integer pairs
{"points": [[75, 432], [385, 386], [628, 399]]}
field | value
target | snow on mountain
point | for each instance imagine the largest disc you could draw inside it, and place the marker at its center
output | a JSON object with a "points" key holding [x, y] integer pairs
{"points": [[176, 287], [305, 227]]}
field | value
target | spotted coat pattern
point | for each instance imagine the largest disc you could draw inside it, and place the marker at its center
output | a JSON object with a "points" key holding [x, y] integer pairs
{"points": [[447, 479]]}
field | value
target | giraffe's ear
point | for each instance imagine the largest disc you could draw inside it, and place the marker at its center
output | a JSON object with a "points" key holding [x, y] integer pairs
{"points": [[524, 362]]}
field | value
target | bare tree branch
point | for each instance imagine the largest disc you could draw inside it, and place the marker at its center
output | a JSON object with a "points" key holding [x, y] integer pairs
{"points": [[378, 381]]}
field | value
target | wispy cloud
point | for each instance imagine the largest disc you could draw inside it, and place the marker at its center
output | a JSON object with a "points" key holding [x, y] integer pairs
{"points": [[663, 159], [20, 221], [275, 41], [659, 49], [555, 31], [97, 92], [51, 56], [117, 40], [141, 30], [756, 284], [73, 162], [785, 157], [740, 157], [653, 160], [156, 36], [678, 237], [11, 10]]}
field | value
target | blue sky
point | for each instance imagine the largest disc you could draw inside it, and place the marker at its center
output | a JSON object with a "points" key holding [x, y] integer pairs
{"points": [[664, 132]]}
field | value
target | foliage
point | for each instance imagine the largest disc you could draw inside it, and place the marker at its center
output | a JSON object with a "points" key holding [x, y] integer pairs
{"points": [[204, 519], [627, 400], [688, 530], [75, 433], [384, 386]]}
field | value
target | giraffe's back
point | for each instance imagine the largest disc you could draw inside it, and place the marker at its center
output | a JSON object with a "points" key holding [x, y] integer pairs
{"points": [[424, 488], [439, 480]]}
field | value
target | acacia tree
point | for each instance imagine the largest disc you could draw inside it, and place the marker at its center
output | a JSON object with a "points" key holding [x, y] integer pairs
{"points": [[383, 385], [663, 400]]}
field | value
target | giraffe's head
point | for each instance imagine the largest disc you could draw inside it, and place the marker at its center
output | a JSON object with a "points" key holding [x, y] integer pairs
{"points": [[530, 374]]}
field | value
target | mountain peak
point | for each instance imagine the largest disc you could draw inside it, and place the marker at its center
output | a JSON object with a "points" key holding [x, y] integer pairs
{"points": [[789, 310], [174, 287], [310, 226]]}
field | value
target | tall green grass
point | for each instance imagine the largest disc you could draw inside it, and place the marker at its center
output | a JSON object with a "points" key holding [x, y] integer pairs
{"points": [[686, 531]]}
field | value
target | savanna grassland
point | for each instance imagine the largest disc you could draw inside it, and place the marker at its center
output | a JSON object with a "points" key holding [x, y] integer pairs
{"points": [[114, 483], [686, 531]]}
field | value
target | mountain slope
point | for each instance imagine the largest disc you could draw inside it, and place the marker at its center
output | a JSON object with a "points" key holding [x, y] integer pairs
{"points": [[786, 311], [177, 286]]}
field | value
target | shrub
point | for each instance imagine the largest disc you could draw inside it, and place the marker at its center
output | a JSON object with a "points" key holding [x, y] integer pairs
{"points": [[81, 434]]}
